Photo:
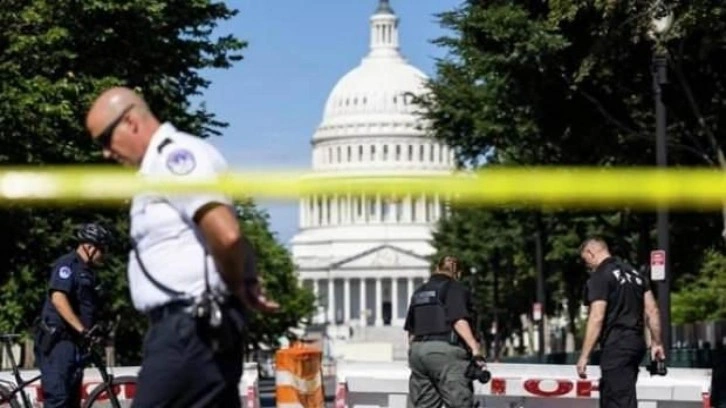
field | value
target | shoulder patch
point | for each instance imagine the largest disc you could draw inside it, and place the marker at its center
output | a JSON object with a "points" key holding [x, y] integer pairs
{"points": [[65, 272], [181, 161]]}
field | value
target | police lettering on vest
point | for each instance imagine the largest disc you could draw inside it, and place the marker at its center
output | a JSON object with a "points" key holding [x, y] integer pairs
{"points": [[169, 259]]}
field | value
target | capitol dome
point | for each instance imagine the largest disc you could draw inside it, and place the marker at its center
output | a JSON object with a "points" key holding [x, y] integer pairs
{"points": [[375, 97], [362, 254]]}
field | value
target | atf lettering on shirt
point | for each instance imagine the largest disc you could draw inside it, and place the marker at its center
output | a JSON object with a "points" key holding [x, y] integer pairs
{"points": [[170, 245], [623, 288], [70, 275]]}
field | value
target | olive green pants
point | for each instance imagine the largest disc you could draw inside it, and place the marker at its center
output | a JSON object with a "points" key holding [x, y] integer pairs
{"points": [[438, 376]]}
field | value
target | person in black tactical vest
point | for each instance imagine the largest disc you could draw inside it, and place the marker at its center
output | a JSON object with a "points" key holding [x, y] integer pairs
{"points": [[442, 345], [618, 297]]}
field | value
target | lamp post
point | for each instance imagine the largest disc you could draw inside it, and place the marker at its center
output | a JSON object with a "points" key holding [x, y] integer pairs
{"points": [[472, 283], [540, 293], [661, 22]]}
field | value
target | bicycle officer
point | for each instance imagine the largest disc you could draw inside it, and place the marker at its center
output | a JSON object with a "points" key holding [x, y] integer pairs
{"points": [[68, 315]]}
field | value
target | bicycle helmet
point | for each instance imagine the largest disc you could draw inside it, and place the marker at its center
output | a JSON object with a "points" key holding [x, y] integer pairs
{"points": [[93, 233]]}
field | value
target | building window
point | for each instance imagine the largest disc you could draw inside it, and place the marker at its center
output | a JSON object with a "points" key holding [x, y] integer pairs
{"points": [[338, 210], [385, 152], [398, 152], [413, 209], [349, 153], [373, 152], [327, 209], [337, 154], [359, 206], [441, 154], [385, 209], [372, 206], [421, 153], [431, 153], [360, 153], [330, 155], [320, 211], [410, 152], [427, 209]]}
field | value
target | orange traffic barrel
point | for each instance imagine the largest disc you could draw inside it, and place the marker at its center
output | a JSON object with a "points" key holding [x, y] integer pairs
{"points": [[299, 377]]}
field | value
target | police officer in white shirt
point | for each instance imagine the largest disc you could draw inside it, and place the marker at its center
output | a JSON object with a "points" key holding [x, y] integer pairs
{"points": [[191, 270]]}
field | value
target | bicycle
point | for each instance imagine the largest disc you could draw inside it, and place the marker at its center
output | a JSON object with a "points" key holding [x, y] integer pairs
{"points": [[101, 395]]}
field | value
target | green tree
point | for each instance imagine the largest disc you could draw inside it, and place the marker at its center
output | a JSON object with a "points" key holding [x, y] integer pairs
{"points": [[274, 264], [702, 298], [569, 83]]}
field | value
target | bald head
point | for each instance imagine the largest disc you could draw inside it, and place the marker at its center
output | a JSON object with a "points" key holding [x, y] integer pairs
{"points": [[593, 251], [121, 121], [109, 105]]}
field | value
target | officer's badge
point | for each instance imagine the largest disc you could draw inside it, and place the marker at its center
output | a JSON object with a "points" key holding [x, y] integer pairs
{"points": [[64, 272], [181, 161]]}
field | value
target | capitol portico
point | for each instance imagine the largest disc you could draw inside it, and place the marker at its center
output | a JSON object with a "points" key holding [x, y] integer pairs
{"points": [[361, 255]]}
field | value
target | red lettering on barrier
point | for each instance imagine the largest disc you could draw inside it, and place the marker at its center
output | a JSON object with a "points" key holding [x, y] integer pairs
{"points": [[499, 386], [563, 387], [341, 395], [706, 400], [129, 391], [585, 388]]}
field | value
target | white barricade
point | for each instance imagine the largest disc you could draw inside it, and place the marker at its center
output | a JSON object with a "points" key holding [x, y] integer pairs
{"points": [[385, 385], [248, 388]]}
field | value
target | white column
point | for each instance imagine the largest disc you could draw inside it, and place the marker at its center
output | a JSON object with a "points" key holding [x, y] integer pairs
{"points": [[301, 213], [363, 299], [409, 291], [351, 214], [334, 210], [394, 299], [346, 300], [379, 302], [379, 208], [331, 301]]}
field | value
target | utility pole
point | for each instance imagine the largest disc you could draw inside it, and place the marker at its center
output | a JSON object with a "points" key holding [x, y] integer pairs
{"points": [[540, 289], [660, 78]]}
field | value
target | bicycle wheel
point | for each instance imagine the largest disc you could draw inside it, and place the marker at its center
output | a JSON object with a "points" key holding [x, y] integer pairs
{"points": [[4, 394], [124, 389]]}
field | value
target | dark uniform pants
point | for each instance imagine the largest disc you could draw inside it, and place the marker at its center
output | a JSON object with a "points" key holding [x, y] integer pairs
{"points": [[619, 368], [61, 375], [438, 375], [179, 369]]}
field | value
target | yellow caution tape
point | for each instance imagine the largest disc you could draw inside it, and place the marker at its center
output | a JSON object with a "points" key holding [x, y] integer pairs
{"points": [[645, 188]]}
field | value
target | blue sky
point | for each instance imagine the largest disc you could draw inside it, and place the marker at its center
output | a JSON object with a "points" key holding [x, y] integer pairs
{"points": [[273, 99]]}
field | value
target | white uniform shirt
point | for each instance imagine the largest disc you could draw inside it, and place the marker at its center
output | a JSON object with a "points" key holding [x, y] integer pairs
{"points": [[169, 243]]}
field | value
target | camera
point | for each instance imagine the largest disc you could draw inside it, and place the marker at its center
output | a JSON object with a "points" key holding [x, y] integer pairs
{"points": [[657, 367], [476, 372]]}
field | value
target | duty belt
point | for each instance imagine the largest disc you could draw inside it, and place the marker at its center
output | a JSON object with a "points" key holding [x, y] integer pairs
{"points": [[178, 306], [433, 337]]}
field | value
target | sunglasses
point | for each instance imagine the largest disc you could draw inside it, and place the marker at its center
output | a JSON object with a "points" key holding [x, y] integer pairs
{"points": [[104, 138]]}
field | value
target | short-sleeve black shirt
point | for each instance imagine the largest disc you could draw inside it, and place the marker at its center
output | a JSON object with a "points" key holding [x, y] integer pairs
{"points": [[458, 302], [623, 288], [70, 275]]}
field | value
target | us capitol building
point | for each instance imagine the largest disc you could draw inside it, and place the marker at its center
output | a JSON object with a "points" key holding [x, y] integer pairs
{"points": [[363, 256]]}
